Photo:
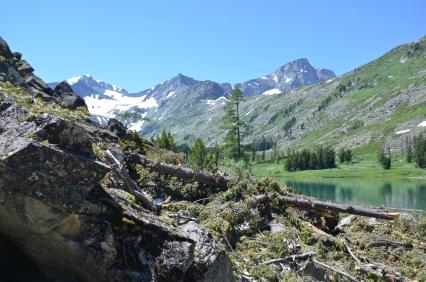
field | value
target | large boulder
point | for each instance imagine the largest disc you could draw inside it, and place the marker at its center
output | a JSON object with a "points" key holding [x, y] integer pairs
{"points": [[67, 212], [66, 96], [211, 262], [4, 49], [116, 127]]}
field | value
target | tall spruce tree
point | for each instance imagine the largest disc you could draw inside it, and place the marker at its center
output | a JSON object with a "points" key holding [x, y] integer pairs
{"points": [[233, 123], [199, 154]]}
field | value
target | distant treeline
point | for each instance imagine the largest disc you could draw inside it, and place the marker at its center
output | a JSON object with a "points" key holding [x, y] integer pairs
{"points": [[321, 158]]}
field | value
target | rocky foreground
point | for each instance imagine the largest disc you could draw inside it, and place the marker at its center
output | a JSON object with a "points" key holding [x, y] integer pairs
{"points": [[76, 205]]}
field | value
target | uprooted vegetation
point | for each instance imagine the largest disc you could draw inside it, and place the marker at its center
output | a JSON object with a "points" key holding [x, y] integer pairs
{"points": [[275, 240], [269, 233]]}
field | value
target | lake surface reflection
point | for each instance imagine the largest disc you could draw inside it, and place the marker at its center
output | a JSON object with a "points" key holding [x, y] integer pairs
{"points": [[404, 194]]}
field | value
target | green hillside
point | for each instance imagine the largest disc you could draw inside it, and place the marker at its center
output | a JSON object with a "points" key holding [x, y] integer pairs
{"points": [[361, 109]]}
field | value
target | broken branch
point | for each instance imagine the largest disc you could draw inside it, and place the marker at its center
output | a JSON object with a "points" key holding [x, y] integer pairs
{"points": [[303, 256], [131, 186]]}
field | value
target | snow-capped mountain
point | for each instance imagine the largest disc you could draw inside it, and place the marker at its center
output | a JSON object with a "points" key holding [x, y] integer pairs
{"points": [[180, 98], [289, 76], [106, 101]]}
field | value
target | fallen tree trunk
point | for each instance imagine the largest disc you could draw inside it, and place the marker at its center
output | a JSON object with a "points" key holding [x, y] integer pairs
{"points": [[131, 186], [221, 182], [316, 205], [181, 172], [320, 205]]}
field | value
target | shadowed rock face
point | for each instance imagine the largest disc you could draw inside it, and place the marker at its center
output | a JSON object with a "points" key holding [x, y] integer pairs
{"points": [[66, 212], [16, 266]]}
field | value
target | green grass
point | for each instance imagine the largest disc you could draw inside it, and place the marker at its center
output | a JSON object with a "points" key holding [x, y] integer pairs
{"points": [[367, 168], [37, 107]]}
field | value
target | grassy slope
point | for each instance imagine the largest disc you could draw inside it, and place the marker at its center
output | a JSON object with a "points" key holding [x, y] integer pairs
{"points": [[367, 168], [384, 95]]}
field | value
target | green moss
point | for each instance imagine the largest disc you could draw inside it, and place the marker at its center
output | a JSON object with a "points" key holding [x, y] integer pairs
{"points": [[35, 107]]}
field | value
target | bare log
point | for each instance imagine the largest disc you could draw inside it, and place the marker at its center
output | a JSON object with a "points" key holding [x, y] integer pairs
{"points": [[335, 270], [181, 172], [131, 186], [297, 257], [309, 204]]}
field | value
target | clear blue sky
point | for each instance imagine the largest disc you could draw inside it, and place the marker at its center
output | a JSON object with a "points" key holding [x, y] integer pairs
{"points": [[137, 44]]}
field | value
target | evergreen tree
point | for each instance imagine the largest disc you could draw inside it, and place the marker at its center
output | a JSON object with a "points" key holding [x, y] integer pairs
{"points": [[216, 156], [234, 124], [262, 156], [345, 155], [165, 140], [420, 151], [199, 154], [322, 158], [385, 159]]}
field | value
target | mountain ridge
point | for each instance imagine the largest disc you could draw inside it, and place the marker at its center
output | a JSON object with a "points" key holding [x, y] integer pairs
{"points": [[150, 102]]}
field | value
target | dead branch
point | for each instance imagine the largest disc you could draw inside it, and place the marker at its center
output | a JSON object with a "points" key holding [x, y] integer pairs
{"points": [[335, 270], [371, 269], [303, 256], [386, 243], [351, 253], [315, 229], [181, 172], [131, 186], [365, 266]]}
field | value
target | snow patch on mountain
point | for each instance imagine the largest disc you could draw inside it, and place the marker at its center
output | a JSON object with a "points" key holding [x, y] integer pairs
{"points": [[73, 80], [171, 94], [422, 124], [272, 91], [221, 101], [402, 131], [275, 77], [138, 125], [116, 103], [105, 101]]}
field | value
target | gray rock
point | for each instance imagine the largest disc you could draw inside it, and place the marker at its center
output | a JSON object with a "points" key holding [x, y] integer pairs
{"points": [[4, 49], [289, 76], [116, 127], [25, 69], [66, 96], [75, 227], [276, 227], [211, 262]]}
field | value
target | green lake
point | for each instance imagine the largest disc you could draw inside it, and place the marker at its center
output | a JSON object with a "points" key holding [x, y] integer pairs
{"points": [[402, 194]]}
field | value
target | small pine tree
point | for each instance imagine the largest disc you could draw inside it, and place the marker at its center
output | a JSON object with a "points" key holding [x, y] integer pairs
{"points": [[385, 160], [165, 140], [420, 151], [345, 155], [199, 154], [262, 158], [216, 156]]}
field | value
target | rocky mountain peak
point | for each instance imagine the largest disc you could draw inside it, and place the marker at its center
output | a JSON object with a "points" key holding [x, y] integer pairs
{"points": [[181, 79], [292, 75]]}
